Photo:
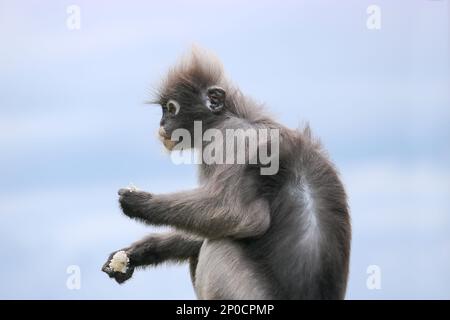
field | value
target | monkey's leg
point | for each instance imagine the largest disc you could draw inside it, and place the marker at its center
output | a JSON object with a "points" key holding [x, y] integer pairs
{"points": [[155, 249], [199, 212], [193, 262], [225, 271]]}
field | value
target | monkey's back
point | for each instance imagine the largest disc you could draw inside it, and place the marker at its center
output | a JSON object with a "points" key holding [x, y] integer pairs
{"points": [[306, 249], [305, 252]]}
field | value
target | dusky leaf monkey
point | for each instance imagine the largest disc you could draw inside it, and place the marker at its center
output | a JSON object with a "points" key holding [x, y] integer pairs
{"points": [[246, 235]]}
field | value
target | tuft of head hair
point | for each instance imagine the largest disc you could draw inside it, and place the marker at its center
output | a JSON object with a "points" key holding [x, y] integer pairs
{"points": [[195, 71], [198, 70]]}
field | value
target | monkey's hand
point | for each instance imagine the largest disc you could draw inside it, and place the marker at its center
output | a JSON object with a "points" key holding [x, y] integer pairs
{"points": [[134, 202], [121, 271]]}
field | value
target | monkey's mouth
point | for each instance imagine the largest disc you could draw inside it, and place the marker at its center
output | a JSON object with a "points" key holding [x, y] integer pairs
{"points": [[165, 139]]}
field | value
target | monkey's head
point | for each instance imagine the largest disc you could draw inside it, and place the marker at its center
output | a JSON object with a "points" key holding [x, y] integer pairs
{"points": [[194, 90]]}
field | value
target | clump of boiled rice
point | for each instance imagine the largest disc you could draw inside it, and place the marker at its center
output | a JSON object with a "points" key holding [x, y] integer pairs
{"points": [[119, 262]]}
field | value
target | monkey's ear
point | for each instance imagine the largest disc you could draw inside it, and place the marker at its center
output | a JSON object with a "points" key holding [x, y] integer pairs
{"points": [[215, 98]]}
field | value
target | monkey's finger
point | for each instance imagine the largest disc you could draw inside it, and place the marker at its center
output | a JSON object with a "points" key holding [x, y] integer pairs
{"points": [[122, 277], [123, 191], [106, 269]]}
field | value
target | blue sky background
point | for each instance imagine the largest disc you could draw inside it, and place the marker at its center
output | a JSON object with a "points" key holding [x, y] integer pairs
{"points": [[74, 129]]}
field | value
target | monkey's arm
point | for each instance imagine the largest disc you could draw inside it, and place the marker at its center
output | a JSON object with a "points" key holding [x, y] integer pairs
{"points": [[199, 211], [155, 249]]}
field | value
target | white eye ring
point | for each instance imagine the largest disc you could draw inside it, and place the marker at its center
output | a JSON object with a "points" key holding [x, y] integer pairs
{"points": [[173, 107]]}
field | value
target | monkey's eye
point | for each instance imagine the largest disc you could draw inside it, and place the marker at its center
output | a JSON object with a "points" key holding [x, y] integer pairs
{"points": [[173, 107]]}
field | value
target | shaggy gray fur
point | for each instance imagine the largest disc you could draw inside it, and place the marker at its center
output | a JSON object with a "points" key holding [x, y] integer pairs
{"points": [[245, 235]]}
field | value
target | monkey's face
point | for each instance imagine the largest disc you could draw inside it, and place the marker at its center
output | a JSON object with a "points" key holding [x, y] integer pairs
{"points": [[169, 123], [181, 109]]}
